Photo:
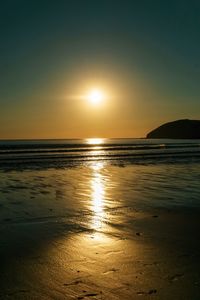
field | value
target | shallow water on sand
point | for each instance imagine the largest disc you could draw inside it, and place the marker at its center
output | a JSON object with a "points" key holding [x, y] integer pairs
{"points": [[97, 192], [100, 230]]}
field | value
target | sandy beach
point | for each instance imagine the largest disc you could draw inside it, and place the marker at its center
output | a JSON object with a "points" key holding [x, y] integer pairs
{"points": [[155, 256], [83, 234]]}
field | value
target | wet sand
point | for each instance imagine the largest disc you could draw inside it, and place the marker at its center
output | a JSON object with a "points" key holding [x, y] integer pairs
{"points": [[54, 246], [154, 256]]}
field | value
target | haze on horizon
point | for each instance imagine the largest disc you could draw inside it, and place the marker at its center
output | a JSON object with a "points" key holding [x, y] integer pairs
{"points": [[144, 56]]}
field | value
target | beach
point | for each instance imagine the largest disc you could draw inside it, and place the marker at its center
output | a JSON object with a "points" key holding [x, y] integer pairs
{"points": [[100, 150], [100, 230], [158, 258]]}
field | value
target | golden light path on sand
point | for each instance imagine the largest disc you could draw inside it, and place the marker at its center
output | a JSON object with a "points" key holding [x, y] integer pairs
{"points": [[97, 194]]}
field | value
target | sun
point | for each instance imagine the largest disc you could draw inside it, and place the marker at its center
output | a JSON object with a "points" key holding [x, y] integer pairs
{"points": [[95, 96]]}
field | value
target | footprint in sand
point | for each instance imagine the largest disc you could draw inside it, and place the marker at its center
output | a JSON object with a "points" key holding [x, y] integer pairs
{"points": [[73, 283], [176, 277], [150, 292], [111, 271], [138, 233], [87, 295], [7, 220]]}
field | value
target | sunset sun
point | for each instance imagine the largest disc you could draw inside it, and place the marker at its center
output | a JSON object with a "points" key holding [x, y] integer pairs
{"points": [[95, 96]]}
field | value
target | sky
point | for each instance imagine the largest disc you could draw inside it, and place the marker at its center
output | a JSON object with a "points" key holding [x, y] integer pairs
{"points": [[142, 55]]}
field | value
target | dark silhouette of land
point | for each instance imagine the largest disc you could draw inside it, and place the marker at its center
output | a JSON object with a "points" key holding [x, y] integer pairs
{"points": [[180, 129]]}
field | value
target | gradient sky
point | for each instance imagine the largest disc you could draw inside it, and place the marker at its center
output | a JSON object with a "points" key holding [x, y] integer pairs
{"points": [[144, 55]]}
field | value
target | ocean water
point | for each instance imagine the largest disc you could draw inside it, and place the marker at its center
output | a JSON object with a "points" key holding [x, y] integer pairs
{"points": [[101, 178], [69, 153]]}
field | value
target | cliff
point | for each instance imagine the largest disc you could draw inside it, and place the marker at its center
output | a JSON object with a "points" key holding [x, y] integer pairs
{"points": [[180, 129]]}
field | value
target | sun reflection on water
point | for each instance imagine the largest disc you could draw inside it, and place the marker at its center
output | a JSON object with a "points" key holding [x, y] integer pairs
{"points": [[97, 195], [94, 141]]}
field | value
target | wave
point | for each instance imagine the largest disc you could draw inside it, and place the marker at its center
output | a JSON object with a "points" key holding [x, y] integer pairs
{"points": [[72, 152]]}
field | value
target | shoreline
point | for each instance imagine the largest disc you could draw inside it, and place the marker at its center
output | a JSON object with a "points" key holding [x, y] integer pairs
{"points": [[100, 232]]}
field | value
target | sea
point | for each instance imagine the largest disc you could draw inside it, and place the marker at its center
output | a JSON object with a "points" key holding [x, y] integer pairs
{"points": [[27, 154], [99, 174]]}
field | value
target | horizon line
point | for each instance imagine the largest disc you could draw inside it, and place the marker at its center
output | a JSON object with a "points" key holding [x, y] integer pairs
{"points": [[50, 139]]}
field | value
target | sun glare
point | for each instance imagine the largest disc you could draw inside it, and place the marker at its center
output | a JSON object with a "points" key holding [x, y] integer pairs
{"points": [[94, 141], [95, 97]]}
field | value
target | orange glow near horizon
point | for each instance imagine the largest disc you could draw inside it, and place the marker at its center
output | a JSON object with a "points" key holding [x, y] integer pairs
{"points": [[89, 109]]}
